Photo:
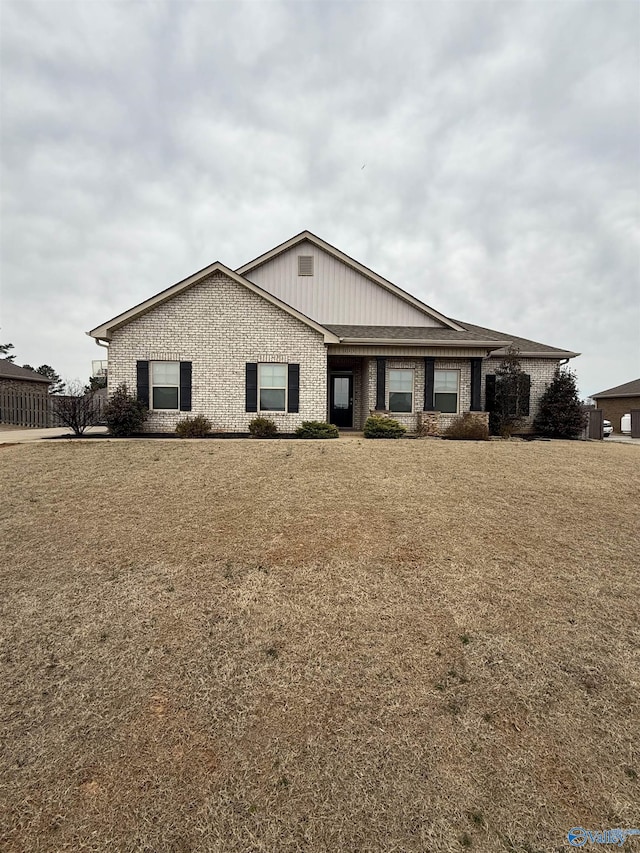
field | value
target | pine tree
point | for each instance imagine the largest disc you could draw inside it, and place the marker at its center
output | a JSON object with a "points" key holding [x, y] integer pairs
{"points": [[560, 413]]}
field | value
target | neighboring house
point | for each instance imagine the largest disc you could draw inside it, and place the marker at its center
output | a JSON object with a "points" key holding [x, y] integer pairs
{"points": [[304, 332], [24, 398], [617, 402]]}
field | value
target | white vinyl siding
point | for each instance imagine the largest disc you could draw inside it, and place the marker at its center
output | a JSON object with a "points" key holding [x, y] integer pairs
{"points": [[335, 293]]}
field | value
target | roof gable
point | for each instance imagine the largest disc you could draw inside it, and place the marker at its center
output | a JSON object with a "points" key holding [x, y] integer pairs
{"points": [[105, 331], [9, 370], [355, 287], [628, 389]]}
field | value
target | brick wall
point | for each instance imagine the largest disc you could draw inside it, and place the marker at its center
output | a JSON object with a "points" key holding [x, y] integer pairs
{"points": [[219, 326], [540, 370], [615, 408]]}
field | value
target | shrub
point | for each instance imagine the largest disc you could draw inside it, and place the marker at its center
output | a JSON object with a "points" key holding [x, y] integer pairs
{"points": [[77, 409], [196, 427], [262, 427], [560, 413], [379, 426], [468, 428], [511, 402], [317, 429], [124, 414]]}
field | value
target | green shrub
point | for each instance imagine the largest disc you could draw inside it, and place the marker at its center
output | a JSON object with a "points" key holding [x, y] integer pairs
{"points": [[379, 426], [317, 429], [468, 428], [262, 427], [196, 427], [124, 414], [560, 413]]}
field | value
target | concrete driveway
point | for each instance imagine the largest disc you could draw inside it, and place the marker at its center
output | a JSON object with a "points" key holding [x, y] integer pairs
{"points": [[17, 435], [624, 439]]}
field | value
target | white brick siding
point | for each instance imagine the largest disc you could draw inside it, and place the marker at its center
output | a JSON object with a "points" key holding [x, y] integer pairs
{"points": [[219, 326], [541, 371]]}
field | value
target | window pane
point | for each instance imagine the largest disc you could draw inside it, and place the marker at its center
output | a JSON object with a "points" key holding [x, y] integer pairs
{"points": [[447, 403], [400, 401], [340, 392], [165, 398], [401, 380], [165, 372], [273, 375], [272, 399], [445, 381]]}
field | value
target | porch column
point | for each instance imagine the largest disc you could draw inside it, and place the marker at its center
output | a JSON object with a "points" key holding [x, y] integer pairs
{"points": [[428, 383], [381, 365], [476, 377]]}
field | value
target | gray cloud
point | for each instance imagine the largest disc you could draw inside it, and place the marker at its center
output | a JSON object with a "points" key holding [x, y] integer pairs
{"points": [[141, 141]]}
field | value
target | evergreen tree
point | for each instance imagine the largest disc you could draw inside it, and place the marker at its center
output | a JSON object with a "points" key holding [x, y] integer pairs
{"points": [[57, 385], [511, 403], [4, 349], [560, 413]]}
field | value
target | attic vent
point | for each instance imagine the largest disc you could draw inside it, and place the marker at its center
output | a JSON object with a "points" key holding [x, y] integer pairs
{"points": [[305, 264]]}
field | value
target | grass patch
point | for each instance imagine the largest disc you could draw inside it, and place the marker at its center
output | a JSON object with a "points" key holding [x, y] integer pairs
{"points": [[237, 646]]}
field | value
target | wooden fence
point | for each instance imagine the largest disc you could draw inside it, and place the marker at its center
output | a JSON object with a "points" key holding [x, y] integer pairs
{"points": [[32, 409]]}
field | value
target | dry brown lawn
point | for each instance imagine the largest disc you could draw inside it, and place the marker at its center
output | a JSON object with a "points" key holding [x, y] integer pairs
{"points": [[318, 646]]}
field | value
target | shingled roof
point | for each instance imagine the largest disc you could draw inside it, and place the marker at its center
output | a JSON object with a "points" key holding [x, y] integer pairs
{"points": [[431, 334], [629, 389], [9, 370]]}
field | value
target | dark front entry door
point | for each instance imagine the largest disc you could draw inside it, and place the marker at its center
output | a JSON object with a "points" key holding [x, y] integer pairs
{"points": [[341, 399]]}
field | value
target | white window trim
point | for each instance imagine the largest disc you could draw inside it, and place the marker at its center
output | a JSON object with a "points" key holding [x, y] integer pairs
{"points": [[153, 385], [413, 390], [447, 370], [274, 387]]}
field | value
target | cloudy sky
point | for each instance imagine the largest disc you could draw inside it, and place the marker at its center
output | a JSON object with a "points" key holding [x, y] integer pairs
{"points": [[500, 142]]}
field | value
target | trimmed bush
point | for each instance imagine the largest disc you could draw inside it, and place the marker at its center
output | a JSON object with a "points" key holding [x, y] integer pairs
{"points": [[196, 427], [124, 414], [467, 428], [262, 428], [317, 429], [379, 426], [560, 413]]}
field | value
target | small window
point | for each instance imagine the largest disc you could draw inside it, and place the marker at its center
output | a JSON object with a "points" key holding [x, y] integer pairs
{"points": [[305, 264], [445, 391], [165, 384], [272, 387], [401, 390]]}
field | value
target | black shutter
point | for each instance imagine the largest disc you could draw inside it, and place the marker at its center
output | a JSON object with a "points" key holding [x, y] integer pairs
{"points": [[251, 387], [293, 389], [525, 394], [185, 386], [429, 368], [490, 392], [380, 383], [476, 374], [142, 382]]}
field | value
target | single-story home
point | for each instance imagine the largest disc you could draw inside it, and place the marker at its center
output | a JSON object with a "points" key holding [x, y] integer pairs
{"points": [[24, 396], [305, 332], [619, 401]]}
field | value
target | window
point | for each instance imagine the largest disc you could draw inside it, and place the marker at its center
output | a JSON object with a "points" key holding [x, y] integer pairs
{"points": [[305, 264], [445, 391], [401, 390], [272, 387], [165, 384]]}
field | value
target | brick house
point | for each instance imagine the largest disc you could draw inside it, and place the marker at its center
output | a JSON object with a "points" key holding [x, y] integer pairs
{"points": [[304, 332], [619, 401]]}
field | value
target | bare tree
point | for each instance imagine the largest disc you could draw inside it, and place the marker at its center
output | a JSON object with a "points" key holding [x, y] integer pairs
{"points": [[77, 409]]}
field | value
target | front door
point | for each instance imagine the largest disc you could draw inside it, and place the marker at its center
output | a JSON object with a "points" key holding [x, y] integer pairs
{"points": [[341, 399]]}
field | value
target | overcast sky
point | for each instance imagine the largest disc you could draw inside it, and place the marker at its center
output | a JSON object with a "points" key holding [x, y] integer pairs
{"points": [[500, 141]]}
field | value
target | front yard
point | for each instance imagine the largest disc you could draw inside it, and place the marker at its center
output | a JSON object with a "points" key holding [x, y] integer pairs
{"points": [[323, 646]]}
